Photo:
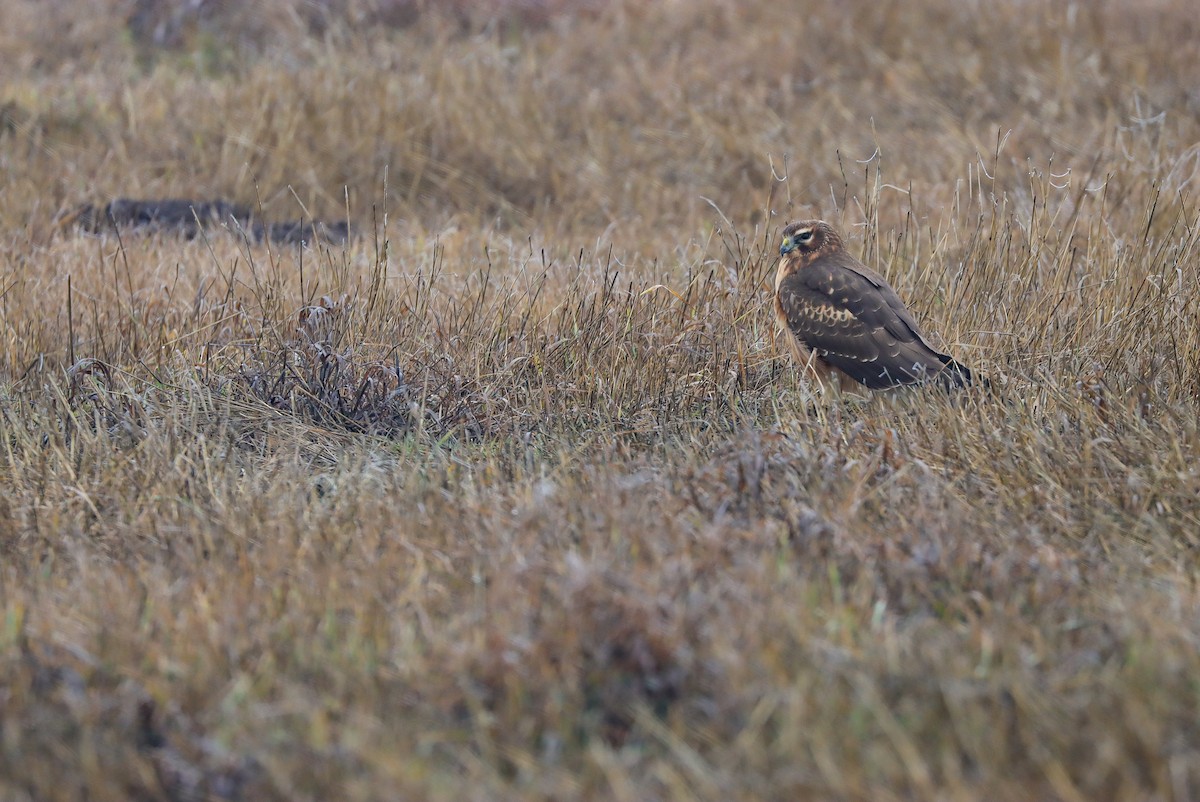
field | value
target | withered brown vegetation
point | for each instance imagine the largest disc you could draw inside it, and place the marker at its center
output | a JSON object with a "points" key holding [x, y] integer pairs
{"points": [[515, 495], [192, 218]]}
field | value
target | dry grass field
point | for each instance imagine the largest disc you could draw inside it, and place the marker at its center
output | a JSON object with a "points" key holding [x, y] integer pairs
{"points": [[516, 495]]}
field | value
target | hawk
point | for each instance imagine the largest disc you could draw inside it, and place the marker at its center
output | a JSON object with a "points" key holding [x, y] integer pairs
{"points": [[843, 320]]}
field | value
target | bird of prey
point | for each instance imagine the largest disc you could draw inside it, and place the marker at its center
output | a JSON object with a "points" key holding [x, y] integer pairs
{"points": [[842, 319]]}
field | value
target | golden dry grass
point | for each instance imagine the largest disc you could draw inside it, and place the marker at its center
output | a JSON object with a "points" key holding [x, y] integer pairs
{"points": [[516, 496]]}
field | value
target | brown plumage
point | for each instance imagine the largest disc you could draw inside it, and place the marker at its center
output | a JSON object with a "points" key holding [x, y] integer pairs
{"points": [[842, 318]]}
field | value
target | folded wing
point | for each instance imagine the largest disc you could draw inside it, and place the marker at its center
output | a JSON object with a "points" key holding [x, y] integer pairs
{"points": [[854, 321]]}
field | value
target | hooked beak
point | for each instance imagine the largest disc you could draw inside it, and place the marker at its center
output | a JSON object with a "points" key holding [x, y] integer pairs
{"points": [[787, 247]]}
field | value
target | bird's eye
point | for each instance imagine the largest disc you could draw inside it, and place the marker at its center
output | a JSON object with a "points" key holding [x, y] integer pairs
{"points": [[804, 236]]}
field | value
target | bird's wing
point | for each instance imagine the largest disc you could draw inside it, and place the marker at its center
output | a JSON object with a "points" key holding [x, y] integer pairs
{"points": [[855, 322]]}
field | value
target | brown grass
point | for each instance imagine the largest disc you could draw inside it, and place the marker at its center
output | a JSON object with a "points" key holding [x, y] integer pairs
{"points": [[516, 496]]}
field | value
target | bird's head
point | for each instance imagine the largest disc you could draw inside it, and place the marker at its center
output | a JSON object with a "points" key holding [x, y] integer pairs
{"points": [[809, 238], [804, 242]]}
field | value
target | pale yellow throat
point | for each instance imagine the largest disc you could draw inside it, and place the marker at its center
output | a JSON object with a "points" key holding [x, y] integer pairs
{"points": [[781, 272]]}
